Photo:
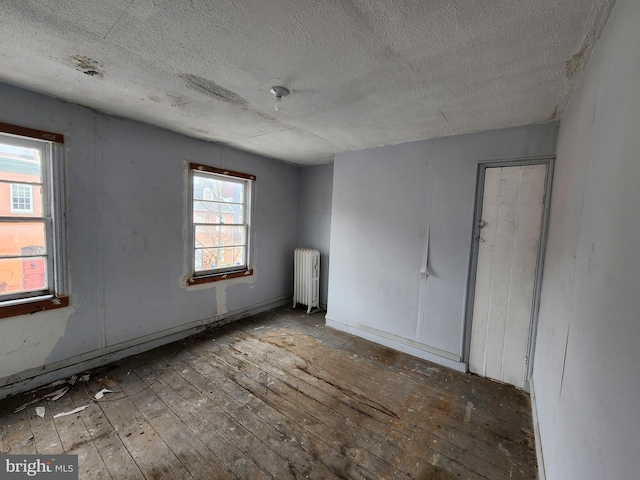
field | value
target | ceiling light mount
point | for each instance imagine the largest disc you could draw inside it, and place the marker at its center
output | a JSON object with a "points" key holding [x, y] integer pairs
{"points": [[279, 92]]}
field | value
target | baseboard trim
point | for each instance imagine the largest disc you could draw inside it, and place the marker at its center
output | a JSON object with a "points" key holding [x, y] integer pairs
{"points": [[37, 377], [411, 347], [542, 475]]}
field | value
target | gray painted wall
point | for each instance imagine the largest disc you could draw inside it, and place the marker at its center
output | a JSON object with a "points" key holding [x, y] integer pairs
{"points": [[383, 201], [587, 364], [126, 229], [314, 217]]}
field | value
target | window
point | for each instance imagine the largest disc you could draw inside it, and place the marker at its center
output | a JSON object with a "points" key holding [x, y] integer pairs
{"points": [[21, 198], [220, 223], [32, 273]]}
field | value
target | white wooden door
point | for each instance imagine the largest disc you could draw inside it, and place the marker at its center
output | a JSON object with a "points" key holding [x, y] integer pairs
{"points": [[508, 249]]}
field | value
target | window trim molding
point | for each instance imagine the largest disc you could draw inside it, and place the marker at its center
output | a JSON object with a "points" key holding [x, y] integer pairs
{"points": [[31, 133], [56, 295], [221, 171], [216, 277], [193, 278], [29, 306]]}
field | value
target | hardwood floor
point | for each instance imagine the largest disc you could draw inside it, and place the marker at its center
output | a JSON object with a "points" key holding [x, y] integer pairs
{"points": [[280, 395]]}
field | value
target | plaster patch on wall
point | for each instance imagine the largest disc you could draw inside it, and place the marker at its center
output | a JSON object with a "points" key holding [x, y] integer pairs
{"points": [[221, 298], [26, 341]]}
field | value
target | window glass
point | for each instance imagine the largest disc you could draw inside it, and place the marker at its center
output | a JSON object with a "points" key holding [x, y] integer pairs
{"points": [[29, 263], [220, 227]]}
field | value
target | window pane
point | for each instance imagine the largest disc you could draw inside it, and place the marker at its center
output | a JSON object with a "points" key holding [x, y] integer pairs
{"points": [[217, 212], [220, 235], [206, 187], [22, 238], [22, 275], [21, 164], [220, 257], [20, 180]]}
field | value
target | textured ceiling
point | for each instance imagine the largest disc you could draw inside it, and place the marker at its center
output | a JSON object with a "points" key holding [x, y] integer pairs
{"points": [[362, 73]]}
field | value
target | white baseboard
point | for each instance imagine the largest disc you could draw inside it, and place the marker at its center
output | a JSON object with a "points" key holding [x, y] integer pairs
{"points": [[420, 350], [536, 431], [37, 377]]}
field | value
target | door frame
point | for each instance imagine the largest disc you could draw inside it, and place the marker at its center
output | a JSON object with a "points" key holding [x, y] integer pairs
{"points": [[473, 260]]}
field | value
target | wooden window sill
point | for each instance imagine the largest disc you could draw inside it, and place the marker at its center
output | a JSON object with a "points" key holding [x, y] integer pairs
{"points": [[219, 276], [33, 306]]}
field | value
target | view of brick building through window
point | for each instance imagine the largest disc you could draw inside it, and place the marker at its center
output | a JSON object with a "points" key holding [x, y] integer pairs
{"points": [[219, 219], [22, 229]]}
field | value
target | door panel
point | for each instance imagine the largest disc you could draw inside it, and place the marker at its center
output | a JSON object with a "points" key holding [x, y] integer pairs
{"points": [[508, 249]]}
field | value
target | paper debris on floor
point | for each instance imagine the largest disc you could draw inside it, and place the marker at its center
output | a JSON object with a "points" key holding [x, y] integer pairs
{"points": [[75, 410], [57, 394], [51, 385], [101, 393], [84, 378], [40, 412]]}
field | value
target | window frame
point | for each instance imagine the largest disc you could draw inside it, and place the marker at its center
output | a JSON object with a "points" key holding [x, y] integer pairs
{"points": [[54, 295], [213, 275]]}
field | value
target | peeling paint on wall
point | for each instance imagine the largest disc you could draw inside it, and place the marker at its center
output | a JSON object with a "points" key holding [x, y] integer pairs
{"points": [[27, 341]]}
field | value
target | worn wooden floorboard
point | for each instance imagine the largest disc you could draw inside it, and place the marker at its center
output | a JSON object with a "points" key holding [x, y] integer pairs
{"points": [[376, 421], [331, 412], [327, 445], [463, 439], [279, 396], [241, 465], [115, 455]]}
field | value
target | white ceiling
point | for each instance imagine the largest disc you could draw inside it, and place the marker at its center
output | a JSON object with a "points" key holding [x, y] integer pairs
{"points": [[362, 73]]}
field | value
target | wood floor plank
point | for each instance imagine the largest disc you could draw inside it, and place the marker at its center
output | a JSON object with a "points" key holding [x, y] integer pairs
{"points": [[339, 454], [152, 455], [18, 435], [236, 461], [281, 396], [46, 437], [115, 455], [300, 461], [371, 411], [193, 392], [76, 439], [373, 429], [363, 384], [193, 453]]}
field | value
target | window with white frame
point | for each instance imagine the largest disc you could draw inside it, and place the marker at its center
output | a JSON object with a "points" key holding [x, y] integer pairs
{"points": [[21, 198], [220, 223], [32, 265]]}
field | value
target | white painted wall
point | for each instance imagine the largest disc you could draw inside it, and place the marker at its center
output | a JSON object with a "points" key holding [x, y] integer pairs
{"points": [[127, 201], [587, 364], [383, 199], [314, 217]]}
